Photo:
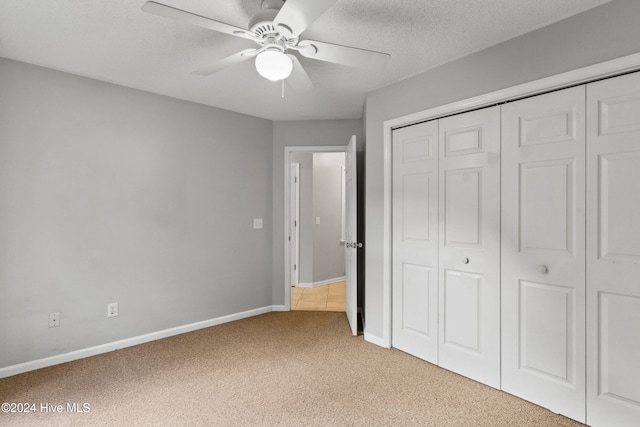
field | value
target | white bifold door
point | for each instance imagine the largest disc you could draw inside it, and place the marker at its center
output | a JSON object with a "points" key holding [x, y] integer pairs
{"points": [[543, 250], [446, 243], [415, 240], [613, 252], [469, 250]]}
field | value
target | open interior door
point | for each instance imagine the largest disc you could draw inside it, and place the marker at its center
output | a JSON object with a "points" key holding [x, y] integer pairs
{"points": [[351, 227]]}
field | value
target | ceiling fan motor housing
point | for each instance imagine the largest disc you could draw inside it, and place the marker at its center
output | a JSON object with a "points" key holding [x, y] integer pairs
{"points": [[261, 23]]}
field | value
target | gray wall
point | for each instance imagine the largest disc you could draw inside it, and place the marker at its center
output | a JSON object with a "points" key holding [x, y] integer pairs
{"points": [[300, 133], [328, 255], [306, 216], [603, 33], [109, 194]]}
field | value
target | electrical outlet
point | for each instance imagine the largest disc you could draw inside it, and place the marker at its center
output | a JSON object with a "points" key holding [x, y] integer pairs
{"points": [[54, 320], [112, 309], [257, 222]]}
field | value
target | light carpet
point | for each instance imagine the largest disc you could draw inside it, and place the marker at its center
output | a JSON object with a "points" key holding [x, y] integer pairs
{"points": [[277, 369]]}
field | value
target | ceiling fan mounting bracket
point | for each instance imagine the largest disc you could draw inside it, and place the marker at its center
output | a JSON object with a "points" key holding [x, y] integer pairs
{"points": [[309, 49]]}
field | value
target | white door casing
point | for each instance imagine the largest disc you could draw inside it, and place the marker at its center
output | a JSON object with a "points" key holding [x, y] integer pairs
{"points": [[469, 250], [613, 252], [351, 235], [543, 250], [415, 240]]}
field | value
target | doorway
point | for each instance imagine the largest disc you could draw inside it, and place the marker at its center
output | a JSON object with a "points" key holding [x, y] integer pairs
{"points": [[316, 230], [292, 272]]}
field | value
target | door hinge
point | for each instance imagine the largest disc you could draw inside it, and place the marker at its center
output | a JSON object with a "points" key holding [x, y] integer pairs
{"points": [[295, 267], [295, 223], [289, 238], [296, 179]]}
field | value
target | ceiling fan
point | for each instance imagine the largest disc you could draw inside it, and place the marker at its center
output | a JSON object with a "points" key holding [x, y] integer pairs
{"points": [[276, 30]]}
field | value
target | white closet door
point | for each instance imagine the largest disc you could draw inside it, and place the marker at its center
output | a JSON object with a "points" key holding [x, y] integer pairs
{"points": [[469, 286], [543, 250], [613, 252], [415, 240]]}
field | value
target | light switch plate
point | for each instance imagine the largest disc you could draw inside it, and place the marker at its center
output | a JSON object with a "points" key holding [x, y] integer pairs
{"points": [[54, 320], [257, 222], [112, 309]]}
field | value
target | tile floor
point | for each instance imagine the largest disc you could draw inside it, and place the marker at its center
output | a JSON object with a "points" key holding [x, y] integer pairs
{"points": [[323, 298]]}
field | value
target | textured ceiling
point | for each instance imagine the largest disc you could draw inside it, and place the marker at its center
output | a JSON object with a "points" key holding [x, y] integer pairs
{"points": [[114, 41]]}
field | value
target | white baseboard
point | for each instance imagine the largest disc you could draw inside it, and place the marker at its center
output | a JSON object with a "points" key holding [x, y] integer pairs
{"points": [[279, 308], [374, 339], [129, 342], [304, 285], [320, 283]]}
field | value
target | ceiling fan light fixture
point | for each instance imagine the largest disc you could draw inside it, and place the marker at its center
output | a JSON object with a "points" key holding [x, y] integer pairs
{"points": [[274, 65]]}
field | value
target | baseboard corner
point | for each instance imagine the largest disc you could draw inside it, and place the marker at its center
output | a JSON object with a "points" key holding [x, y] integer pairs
{"points": [[374, 339]]}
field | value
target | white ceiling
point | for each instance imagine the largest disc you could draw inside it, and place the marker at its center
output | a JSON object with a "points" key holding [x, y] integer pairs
{"points": [[114, 41]]}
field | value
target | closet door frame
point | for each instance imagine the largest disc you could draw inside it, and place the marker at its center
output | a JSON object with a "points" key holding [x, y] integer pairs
{"points": [[582, 75]]}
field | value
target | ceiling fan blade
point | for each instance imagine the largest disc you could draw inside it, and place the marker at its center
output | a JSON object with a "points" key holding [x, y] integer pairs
{"points": [[299, 80], [344, 55], [234, 59], [295, 16], [192, 18]]}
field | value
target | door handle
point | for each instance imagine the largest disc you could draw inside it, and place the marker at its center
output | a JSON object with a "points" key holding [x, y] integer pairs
{"points": [[543, 269]]}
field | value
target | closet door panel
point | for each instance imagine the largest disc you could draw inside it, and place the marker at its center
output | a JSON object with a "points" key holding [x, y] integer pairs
{"points": [[539, 231], [469, 288], [415, 240], [613, 252], [543, 255]]}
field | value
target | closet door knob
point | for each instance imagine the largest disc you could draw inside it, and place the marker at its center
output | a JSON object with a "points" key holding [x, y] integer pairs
{"points": [[465, 260], [543, 269]]}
